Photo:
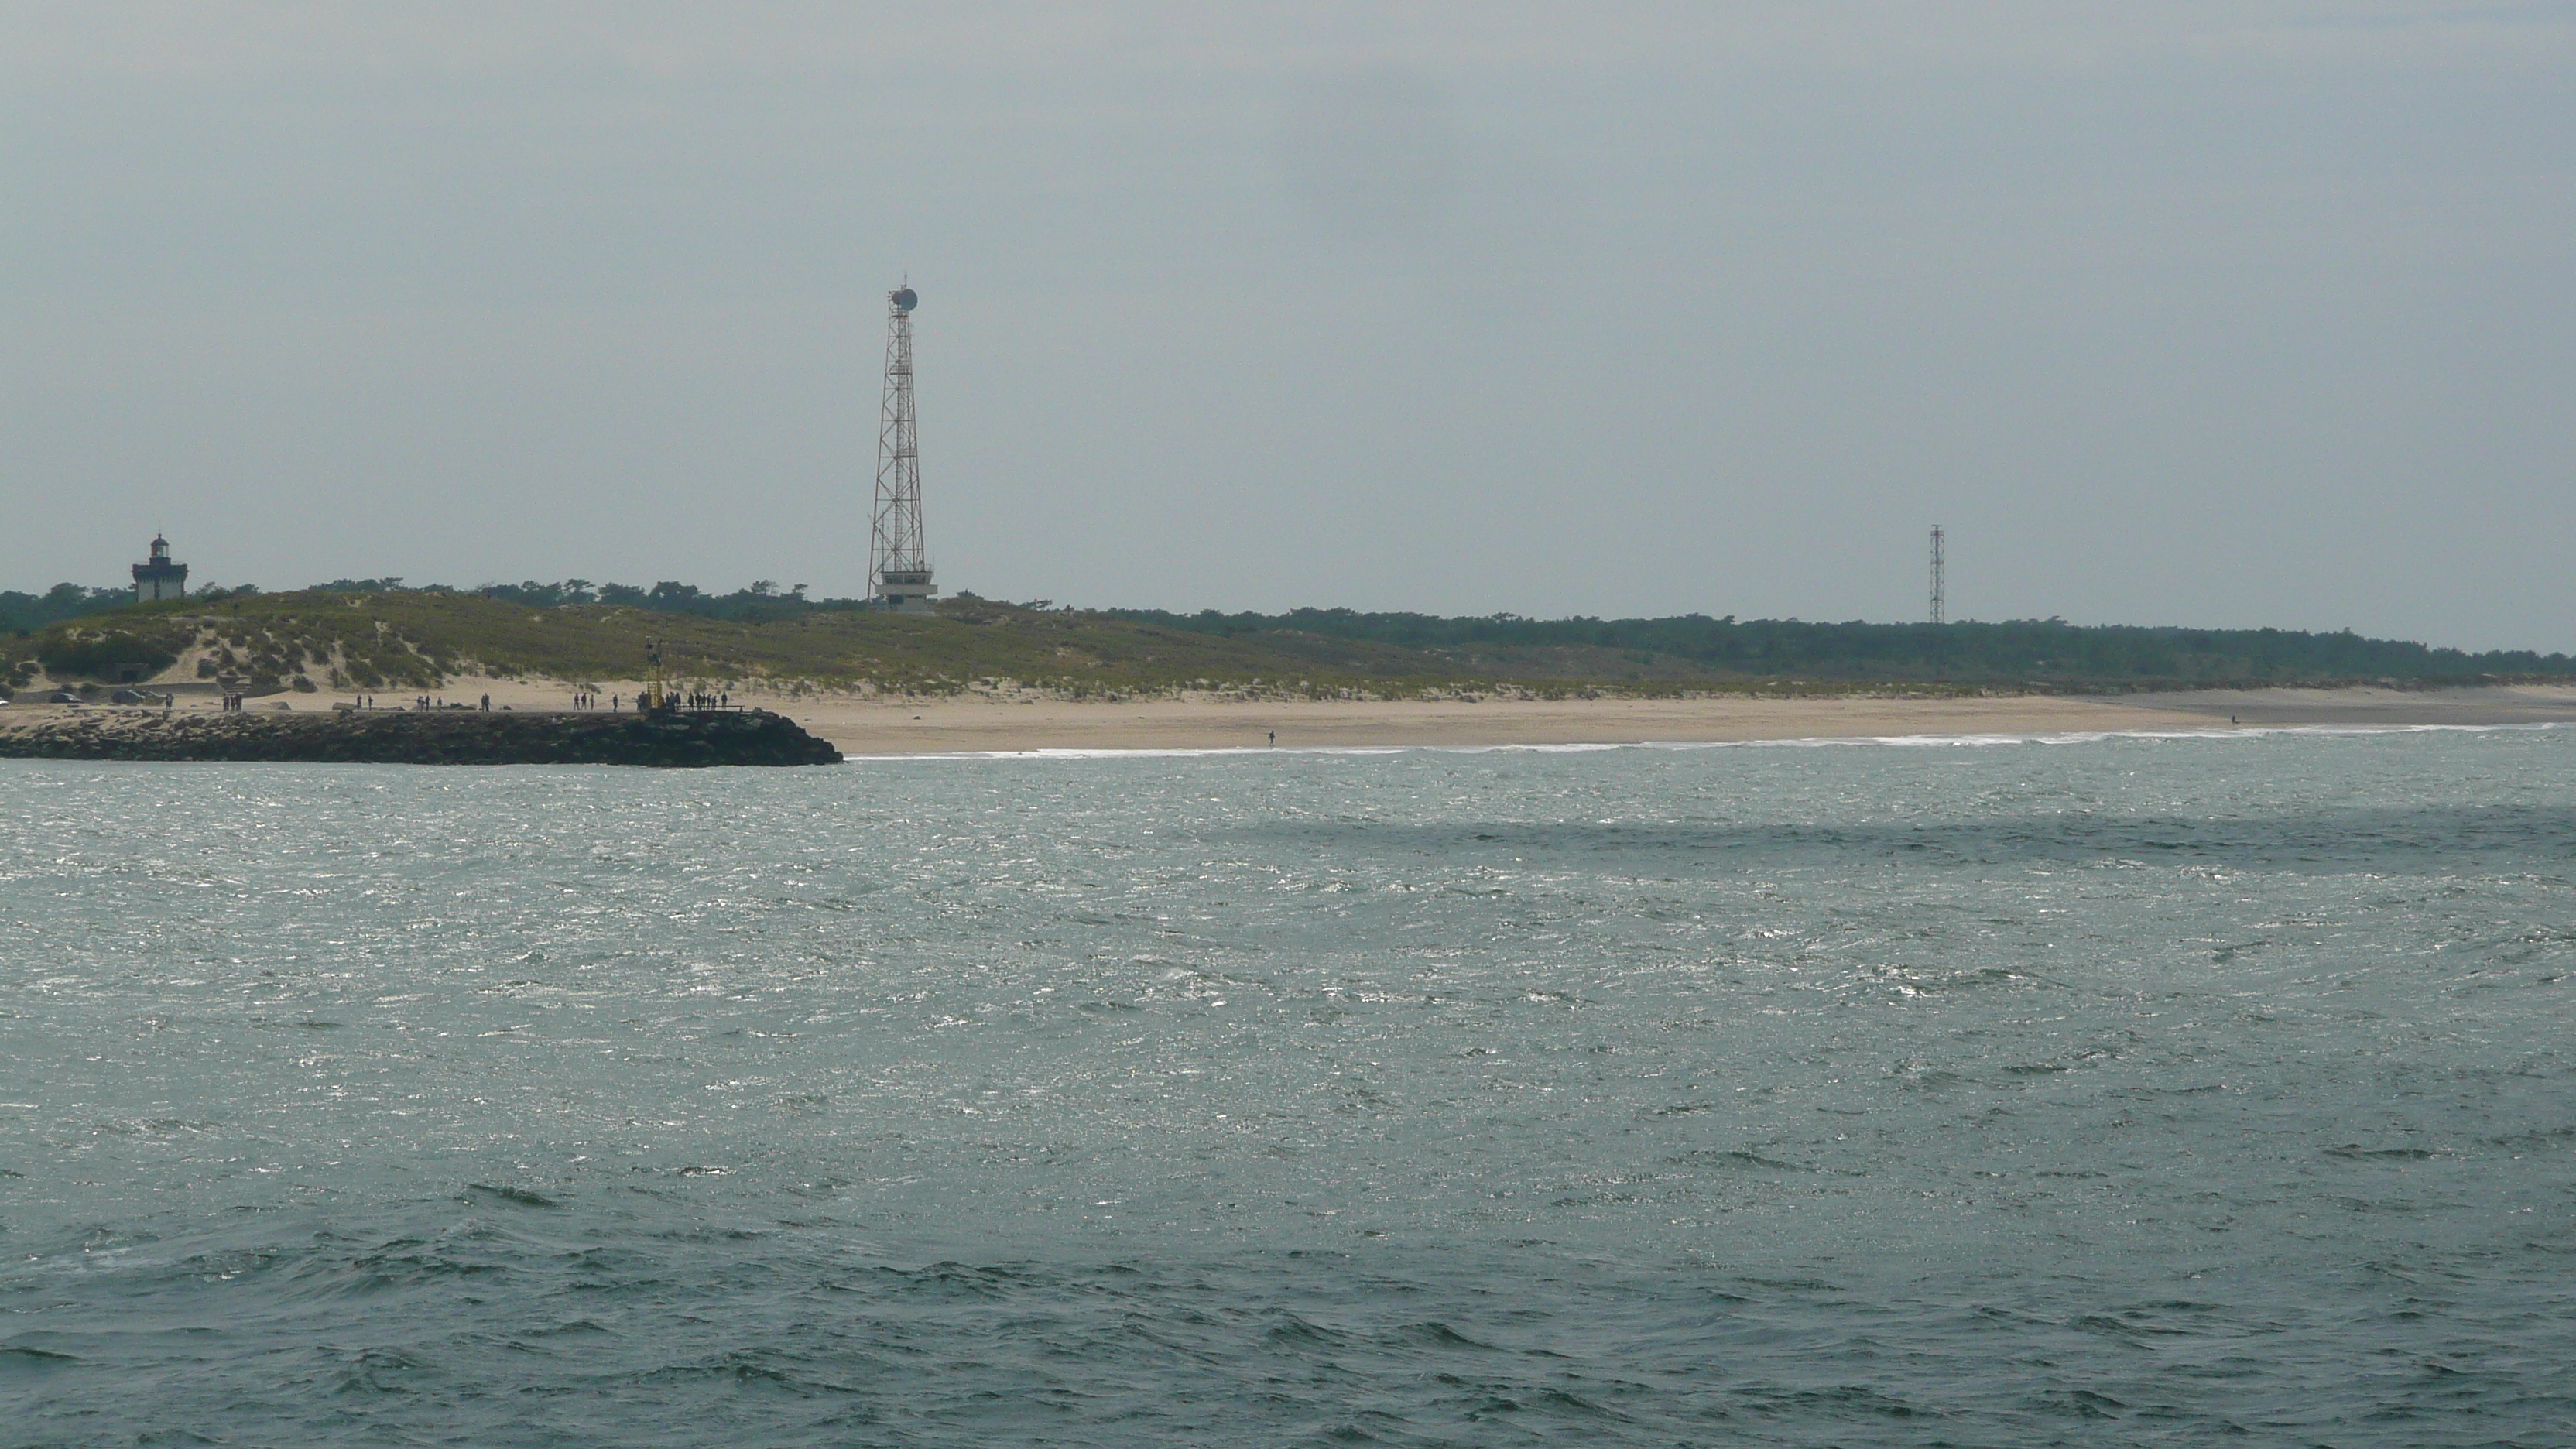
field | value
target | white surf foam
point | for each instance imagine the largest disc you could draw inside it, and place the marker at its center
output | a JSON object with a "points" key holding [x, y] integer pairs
{"points": [[1930, 741]]}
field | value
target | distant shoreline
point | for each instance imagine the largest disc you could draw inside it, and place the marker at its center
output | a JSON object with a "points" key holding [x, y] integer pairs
{"points": [[864, 725], [401, 642], [859, 724]]}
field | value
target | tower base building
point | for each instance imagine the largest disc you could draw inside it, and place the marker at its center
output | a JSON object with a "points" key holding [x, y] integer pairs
{"points": [[906, 591]]}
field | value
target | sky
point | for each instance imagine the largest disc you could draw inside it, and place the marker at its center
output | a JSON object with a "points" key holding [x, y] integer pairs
{"points": [[2231, 314]]}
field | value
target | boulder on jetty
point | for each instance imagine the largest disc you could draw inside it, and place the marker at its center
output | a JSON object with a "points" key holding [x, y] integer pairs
{"points": [[422, 737]]}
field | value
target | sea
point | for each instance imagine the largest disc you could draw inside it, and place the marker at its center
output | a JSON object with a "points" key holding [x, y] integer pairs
{"points": [[2123, 1089]]}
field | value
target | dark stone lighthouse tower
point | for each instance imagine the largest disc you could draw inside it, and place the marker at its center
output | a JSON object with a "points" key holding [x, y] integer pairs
{"points": [[160, 578]]}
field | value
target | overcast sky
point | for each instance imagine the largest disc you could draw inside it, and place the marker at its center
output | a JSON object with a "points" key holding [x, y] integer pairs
{"points": [[2219, 314]]}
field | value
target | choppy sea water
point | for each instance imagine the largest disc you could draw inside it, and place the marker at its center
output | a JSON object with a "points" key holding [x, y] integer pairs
{"points": [[2108, 1091]]}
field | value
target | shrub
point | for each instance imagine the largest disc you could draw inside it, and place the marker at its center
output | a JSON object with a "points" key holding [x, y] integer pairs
{"points": [[67, 658]]}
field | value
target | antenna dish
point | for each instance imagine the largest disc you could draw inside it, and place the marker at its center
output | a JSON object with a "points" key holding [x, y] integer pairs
{"points": [[904, 299]]}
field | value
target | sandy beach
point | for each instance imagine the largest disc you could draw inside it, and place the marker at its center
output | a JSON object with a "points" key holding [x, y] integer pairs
{"points": [[859, 728], [864, 725]]}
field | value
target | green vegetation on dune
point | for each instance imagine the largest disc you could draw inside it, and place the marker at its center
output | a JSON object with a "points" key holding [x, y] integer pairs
{"points": [[414, 639], [264, 642], [366, 635]]}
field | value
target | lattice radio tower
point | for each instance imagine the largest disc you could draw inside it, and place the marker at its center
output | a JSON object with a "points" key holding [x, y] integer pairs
{"points": [[1940, 590], [898, 565]]}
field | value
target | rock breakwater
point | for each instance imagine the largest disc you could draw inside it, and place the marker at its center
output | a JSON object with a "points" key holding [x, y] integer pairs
{"points": [[423, 737]]}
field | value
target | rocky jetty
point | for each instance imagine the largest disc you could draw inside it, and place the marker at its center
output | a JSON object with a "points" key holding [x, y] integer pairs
{"points": [[419, 737]]}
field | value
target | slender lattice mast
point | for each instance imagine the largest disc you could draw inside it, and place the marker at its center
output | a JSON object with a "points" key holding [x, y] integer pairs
{"points": [[1940, 584], [898, 564]]}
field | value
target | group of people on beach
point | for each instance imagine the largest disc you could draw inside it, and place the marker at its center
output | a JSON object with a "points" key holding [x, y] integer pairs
{"points": [[582, 699]]}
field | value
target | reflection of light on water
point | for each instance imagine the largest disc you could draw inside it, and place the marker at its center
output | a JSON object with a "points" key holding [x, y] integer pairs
{"points": [[691, 1099]]}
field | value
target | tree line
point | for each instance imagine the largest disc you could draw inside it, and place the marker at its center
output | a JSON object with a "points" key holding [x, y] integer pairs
{"points": [[2018, 651], [763, 600], [21, 613]]}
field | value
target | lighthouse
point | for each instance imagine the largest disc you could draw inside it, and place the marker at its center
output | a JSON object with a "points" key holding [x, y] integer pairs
{"points": [[158, 578]]}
